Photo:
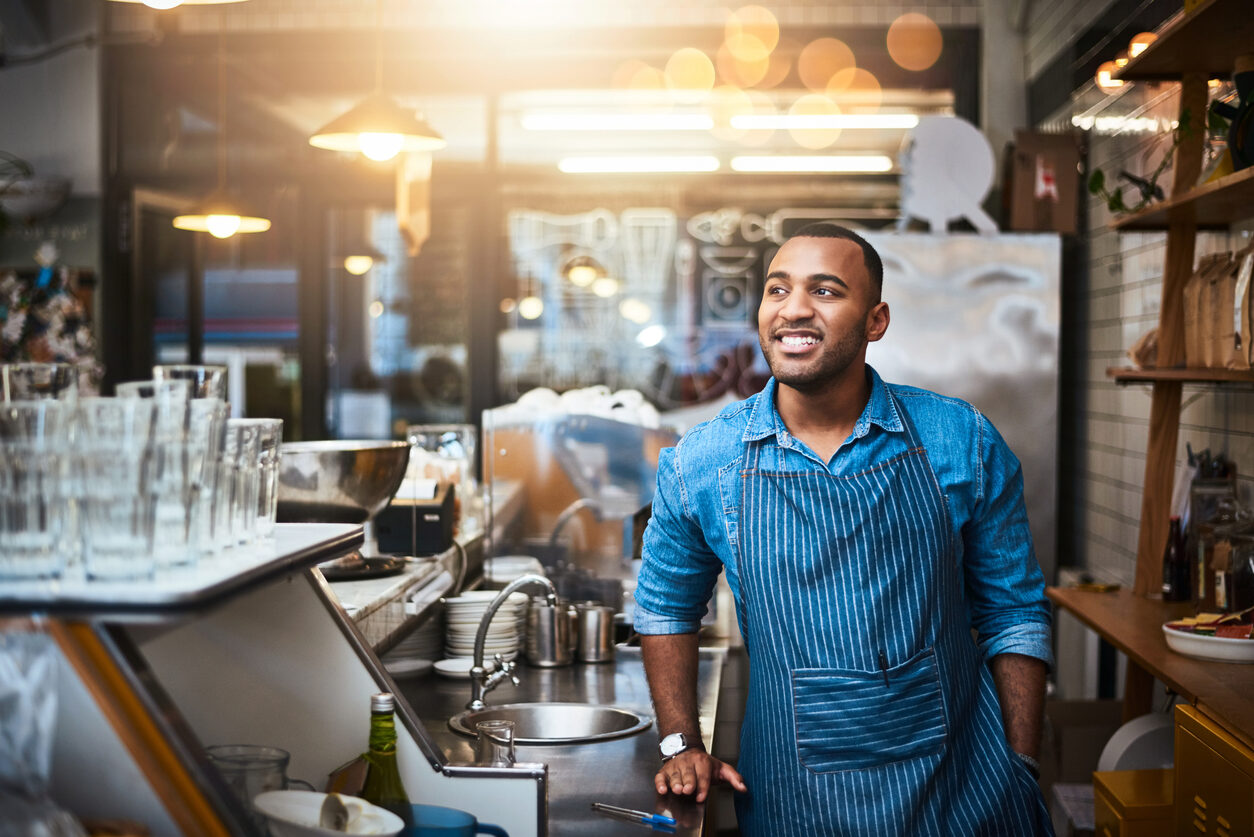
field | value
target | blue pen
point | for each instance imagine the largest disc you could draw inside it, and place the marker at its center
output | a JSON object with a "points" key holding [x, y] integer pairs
{"points": [[658, 821]]}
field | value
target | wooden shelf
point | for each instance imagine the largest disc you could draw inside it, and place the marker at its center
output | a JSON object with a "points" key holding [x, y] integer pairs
{"points": [[1210, 206], [1207, 40], [1133, 624], [1126, 375]]}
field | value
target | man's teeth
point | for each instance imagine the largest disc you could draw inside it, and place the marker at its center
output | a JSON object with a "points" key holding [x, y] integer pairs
{"points": [[791, 340]]}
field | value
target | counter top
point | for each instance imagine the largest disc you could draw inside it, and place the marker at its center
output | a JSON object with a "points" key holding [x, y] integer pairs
{"points": [[1133, 624], [619, 771]]}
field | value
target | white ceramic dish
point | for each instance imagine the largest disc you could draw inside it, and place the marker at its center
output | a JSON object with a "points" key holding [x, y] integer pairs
{"points": [[1216, 648], [293, 813], [458, 668], [505, 568]]}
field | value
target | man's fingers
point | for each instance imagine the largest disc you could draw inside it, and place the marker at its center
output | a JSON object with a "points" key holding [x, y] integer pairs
{"points": [[728, 774]]}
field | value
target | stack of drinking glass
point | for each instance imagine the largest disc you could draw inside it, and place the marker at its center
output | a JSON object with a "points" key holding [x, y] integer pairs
{"points": [[151, 480]]}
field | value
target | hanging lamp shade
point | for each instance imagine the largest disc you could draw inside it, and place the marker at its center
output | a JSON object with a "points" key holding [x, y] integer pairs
{"points": [[221, 216], [170, 4], [379, 128]]}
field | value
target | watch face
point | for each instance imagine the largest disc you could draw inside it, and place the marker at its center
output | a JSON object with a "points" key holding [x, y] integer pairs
{"points": [[673, 743]]}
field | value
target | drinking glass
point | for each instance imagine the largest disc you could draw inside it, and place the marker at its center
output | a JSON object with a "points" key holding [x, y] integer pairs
{"points": [[34, 488], [495, 747], [269, 438], [250, 769], [205, 435], [239, 460], [37, 381], [113, 470], [171, 478], [446, 452], [208, 381]]}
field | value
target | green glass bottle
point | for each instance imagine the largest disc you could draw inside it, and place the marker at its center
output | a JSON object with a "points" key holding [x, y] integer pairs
{"points": [[383, 785]]}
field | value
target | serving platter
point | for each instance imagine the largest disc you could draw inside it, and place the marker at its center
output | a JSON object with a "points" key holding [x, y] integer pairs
{"points": [[1215, 648]]}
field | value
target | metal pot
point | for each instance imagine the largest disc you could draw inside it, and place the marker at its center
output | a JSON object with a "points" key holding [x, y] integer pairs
{"points": [[594, 636]]}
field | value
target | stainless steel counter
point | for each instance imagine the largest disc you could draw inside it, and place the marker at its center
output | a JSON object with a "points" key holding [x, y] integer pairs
{"points": [[618, 771]]}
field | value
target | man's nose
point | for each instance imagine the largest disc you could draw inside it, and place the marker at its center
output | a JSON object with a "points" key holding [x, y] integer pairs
{"points": [[797, 306]]}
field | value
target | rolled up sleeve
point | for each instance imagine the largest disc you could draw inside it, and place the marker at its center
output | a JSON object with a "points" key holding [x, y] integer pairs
{"points": [[679, 569], [1004, 584]]}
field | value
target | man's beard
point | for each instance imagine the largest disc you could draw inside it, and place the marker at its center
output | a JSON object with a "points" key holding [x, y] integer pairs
{"points": [[817, 372]]}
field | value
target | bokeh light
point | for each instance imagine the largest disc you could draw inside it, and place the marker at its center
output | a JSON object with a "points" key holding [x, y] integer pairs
{"points": [[635, 310], [814, 104], [781, 64], [625, 73], [605, 286], [727, 101], [914, 41], [754, 23], [530, 307], [756, 102], [508, 304], [689, 75], [855, 86], [738, 71], [821, 59]]}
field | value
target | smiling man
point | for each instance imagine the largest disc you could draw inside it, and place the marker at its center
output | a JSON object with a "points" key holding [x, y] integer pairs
{"points": [[876, 542]]}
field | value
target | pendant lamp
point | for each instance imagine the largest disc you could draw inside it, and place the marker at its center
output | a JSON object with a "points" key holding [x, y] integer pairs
{"points": [[378, 126], [220, 214], [170, 4]]}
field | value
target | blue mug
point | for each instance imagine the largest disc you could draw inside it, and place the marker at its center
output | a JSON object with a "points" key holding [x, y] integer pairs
{"points": [[435, 821]]}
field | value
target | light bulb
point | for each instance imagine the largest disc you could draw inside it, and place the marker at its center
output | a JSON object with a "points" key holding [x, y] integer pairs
{"points": [[1105, 78], [357, 265], [582, 275], [635, 310], [530, 307], [1139, 42], [222, 226], [605, 287], [650, 336], [1121, 60], [162, 4], [380, 147]]}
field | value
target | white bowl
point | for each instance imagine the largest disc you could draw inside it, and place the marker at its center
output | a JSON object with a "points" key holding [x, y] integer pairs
{"points": [[1217, 648], [294, 813]]}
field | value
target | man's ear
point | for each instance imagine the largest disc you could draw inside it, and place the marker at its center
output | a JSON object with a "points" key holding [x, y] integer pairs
{"points": [[877, 322]]}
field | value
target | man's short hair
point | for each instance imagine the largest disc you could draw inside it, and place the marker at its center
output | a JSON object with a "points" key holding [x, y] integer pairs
{"points": [[870, 258]]}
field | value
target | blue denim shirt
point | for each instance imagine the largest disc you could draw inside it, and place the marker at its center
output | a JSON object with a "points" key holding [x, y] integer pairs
{"points": [[693, 532]]}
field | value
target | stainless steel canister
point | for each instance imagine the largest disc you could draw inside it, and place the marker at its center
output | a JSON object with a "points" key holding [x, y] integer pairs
{"points": [[594, 641], [548, 634]]}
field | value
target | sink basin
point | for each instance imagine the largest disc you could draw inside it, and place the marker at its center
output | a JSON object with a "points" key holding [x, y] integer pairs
{"points": [[556, 723]]}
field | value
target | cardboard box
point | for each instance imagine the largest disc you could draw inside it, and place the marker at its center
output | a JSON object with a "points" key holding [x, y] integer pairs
{"points": [[1044, 182]]}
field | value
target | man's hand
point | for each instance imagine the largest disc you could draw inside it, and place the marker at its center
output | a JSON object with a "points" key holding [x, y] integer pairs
{"points": [[694, 771]]}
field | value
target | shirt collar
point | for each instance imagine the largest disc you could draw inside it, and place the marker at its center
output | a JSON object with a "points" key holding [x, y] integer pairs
{"points": [[881, 409]]}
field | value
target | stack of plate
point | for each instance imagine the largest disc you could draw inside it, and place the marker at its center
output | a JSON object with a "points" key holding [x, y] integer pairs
{"points": [[463, 614], [499, 571]]}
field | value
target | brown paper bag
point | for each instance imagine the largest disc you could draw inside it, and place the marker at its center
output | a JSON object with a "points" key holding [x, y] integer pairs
{"points": [[1243, 313], [1213, 268], [1191, 299], [1223, 333], [1194, 294]]}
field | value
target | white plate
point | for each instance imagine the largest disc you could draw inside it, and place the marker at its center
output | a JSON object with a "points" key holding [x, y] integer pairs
{"points": [[1218, 648], [506, 568], [458, 668], [294, 813]]}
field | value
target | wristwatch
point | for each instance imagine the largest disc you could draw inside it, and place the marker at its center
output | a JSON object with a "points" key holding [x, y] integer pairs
{"points": [[674, 744]]}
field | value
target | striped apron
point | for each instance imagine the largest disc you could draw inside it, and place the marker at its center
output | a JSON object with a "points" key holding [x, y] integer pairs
{"points": [[870, 710]]}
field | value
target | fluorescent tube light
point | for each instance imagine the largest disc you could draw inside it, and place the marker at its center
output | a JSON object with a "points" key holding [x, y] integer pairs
{"points": [[638, 164], [617, 122], [813, 163], [823, 121]]}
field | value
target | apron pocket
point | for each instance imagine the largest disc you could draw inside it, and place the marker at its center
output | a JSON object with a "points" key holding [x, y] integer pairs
{"points": [[852, 720]]}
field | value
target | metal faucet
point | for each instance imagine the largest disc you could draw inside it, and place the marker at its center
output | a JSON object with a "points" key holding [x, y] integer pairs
{"points": [[480, 681], [569, 512]]}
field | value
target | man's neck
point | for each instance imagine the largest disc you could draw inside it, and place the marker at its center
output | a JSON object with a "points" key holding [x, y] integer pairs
{"points": [[823, 418]]}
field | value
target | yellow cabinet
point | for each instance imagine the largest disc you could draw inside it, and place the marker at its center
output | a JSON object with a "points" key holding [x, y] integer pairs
{"points": [[1214, 778], [1133, 803]]}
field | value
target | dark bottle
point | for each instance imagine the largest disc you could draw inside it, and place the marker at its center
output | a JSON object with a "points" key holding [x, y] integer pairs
{"points": [[383, 784], [1176, 575]]}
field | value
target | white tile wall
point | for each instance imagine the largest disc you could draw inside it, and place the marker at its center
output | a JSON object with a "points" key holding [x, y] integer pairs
{"points": [[1123, 297]]}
